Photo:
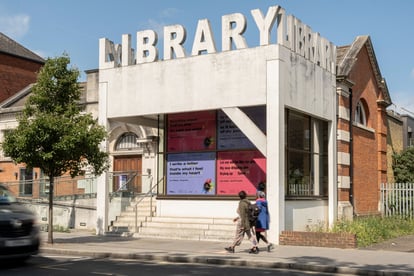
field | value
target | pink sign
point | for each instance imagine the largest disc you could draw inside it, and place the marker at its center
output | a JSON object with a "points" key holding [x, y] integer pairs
{"points": [[242, 170], [193, 131]]}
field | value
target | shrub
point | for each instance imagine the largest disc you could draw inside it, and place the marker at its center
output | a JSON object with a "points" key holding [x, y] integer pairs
{"points": [[370, 230]]}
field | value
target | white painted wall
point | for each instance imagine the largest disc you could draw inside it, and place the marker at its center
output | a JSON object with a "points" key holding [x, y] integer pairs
{"points": [[304, 215], [76, 213], [197, 208], [227, 79]]}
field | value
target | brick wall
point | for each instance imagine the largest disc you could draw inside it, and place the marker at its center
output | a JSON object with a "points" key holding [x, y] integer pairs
{"points": [[365, 161], [369, 143], [394, 142], [15, 74], [318, 239]]}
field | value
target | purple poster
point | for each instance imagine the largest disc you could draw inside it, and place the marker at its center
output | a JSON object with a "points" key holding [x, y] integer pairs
{"points": [[191, 173]]}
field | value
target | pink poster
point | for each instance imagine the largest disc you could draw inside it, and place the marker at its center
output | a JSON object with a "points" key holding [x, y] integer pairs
{"points": [[237, 171], [192, 131]]}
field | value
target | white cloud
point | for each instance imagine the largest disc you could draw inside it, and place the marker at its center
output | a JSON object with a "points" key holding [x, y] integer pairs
{"points": [[15, 26], [163, 17], [169, 12], [155, 25]]}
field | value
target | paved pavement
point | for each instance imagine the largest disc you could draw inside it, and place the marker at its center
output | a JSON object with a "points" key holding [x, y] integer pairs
{"points": [[394, 257]]}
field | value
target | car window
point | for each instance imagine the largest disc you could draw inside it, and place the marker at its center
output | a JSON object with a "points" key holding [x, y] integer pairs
{"points": [[6, 196]]}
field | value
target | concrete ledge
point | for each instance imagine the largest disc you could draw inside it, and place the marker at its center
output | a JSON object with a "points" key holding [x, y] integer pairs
{"points": [[319, 239]]}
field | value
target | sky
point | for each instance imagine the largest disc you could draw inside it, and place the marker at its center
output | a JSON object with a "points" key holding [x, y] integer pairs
{"points": [[53, 27]]}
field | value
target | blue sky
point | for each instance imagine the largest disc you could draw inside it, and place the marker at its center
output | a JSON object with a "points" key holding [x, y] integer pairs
{"points": [[51, 27]]}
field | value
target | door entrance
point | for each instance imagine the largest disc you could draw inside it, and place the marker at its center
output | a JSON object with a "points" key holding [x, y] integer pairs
{"points": [[127, 173]]}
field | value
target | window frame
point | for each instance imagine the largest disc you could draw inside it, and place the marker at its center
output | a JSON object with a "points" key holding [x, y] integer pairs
{"points": [[306, 173], [360, 116]]}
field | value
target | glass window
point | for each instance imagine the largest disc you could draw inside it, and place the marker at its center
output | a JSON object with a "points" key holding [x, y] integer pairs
{"points": [[306, 153], [26, 181], [360, 114], [127, 141]]}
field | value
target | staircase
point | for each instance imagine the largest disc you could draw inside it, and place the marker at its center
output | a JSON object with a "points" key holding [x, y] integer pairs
{"points": [[181, 228], [184, 228], [125, 223]]}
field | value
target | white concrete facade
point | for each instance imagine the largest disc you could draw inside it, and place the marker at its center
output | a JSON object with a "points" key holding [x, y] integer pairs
{"points": [[271, 75]]}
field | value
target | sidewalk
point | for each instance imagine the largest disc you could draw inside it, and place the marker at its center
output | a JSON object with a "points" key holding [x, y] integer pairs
{"points": [[372, 261]]}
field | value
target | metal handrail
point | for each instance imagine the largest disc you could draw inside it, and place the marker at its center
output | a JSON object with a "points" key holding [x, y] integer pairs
{"points": [[150, 191], [131, 177]]}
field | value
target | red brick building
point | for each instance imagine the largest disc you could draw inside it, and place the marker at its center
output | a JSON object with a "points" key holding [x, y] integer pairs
{"points": [[362, 128], [18, 71], [18, 67]]}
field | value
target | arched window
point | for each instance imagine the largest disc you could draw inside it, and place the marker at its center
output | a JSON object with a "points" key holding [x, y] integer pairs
{"points": [[360, 114], [127, 141]]}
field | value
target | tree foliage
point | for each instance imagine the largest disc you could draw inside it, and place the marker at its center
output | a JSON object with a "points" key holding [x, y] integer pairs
{"points": [[403, 166], [53, 133]]}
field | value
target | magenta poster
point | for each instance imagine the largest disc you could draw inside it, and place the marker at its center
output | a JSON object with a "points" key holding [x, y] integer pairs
{"points": [[192, 131], [242, 170], [191, 173]]}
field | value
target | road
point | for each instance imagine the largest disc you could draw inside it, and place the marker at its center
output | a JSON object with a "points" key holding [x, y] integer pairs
{"points": [[63, 265]]}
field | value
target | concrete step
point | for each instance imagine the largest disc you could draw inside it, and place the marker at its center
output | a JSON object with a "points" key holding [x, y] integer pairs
{"points": [[119, 231], [146, 208], [119, 234], [124, 224], [178, 236], [202, 229], [140, 213], [185, 231], [127, 223], [180, 225], [198, 220], [186, 228]]}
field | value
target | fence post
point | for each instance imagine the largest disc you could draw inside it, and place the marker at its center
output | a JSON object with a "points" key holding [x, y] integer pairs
{"points": [[397, 199]]}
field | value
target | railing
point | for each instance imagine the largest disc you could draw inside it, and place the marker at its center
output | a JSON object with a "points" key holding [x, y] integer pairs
{"points": [[397, 199], [149, 193], [299, 189], [125, 181], [38, 189]]}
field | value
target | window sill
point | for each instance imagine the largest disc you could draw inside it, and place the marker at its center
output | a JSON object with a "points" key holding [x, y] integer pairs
{"points": [[361, 126]]}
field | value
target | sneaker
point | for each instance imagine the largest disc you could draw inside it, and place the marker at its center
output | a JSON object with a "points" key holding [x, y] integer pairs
{"points": [[229, 249], [269, 247], [254, 250]]}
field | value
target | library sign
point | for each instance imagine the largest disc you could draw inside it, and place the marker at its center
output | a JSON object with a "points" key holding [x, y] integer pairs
{"points": [[290, 32]]}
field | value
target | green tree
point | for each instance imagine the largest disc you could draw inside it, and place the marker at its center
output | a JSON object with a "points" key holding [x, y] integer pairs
{"points": [[403, 166], [52, 133]]}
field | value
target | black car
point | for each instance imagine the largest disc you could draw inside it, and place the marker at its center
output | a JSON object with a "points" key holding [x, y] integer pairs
{"points": [[19, 232]]}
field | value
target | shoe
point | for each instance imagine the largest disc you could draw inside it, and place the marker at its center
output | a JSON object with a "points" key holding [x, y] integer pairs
{"points": [[269, 247], [229, 249], [254, 250]]}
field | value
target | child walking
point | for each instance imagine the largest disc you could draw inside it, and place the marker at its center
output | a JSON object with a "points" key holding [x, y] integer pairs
{"points": [[262, 224]]}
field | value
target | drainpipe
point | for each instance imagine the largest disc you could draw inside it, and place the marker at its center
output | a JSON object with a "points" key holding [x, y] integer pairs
{"points": [[351, 153]]}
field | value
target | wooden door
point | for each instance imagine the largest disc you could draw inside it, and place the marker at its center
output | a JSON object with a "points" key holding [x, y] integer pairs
{"points": [[128, 169]]}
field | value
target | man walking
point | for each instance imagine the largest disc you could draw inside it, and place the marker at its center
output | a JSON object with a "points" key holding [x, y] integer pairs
{"points": [[243, 225]]}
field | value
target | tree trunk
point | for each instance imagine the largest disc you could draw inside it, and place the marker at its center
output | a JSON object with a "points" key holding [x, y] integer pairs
{"points": [[50, 227]]}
